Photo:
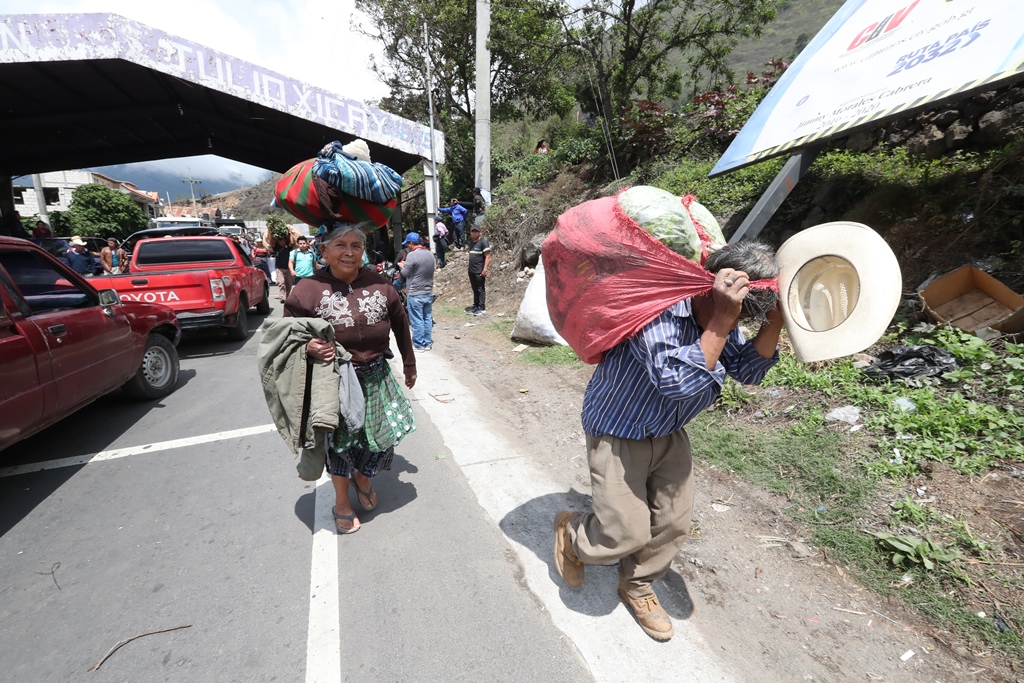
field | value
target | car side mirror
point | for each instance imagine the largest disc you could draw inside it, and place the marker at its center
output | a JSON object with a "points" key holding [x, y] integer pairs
{"points": [[109, 297]]}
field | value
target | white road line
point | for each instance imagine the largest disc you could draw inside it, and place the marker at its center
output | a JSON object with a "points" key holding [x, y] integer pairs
{"points": [[504, 482], [323, 642], [134, 450]]}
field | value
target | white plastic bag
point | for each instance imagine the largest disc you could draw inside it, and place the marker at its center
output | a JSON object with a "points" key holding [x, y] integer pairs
{"points": [[533, 322]]}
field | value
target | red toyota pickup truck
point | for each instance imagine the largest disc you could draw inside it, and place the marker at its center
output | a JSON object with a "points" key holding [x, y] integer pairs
{"points": [[207, 281], [63, 344]]}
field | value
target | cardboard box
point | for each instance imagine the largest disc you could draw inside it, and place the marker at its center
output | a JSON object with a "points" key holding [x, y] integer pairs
{"points": [[973, 300]]}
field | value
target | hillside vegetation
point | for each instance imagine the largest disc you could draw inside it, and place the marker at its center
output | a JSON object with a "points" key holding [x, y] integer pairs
{"points": [[795, 24], [248, 203]]}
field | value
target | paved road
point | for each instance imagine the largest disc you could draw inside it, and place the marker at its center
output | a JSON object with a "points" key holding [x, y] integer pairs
{"points": [[126, 518], [192, 514]]}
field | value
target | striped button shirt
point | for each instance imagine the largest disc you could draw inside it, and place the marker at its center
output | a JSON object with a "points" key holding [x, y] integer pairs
{"points": [[656, 381]]}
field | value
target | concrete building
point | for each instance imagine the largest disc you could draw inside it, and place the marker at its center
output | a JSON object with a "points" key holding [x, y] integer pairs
{"points": [[58, 187]]}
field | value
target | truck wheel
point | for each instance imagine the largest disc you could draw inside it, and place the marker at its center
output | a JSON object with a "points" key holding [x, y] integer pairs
{"points": [[158, 373], [240, 330], [263, 307]]}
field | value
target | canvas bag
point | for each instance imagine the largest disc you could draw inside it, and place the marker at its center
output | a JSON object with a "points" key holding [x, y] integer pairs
{"points": [[296, 194]]}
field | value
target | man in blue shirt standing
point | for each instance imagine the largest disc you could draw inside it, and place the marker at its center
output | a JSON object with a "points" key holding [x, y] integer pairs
{"points": [[634, 411], [458, 213]]}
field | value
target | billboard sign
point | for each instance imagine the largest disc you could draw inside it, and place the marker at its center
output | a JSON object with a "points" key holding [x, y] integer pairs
{"points": [[876, 60]]}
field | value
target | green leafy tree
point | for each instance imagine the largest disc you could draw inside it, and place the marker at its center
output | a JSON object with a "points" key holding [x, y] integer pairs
{"points": [[97, 210], [530, 67], [633, 48], [60, 224]]}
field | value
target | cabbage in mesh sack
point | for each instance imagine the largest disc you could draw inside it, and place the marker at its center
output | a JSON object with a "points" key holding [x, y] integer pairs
{"points": [[663, 215]]}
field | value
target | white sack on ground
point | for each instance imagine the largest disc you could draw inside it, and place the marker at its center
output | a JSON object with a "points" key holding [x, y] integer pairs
{"points": [[533, 323]]}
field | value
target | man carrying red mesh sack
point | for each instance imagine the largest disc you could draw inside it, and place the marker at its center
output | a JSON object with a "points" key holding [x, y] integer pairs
{"points": [[665, 332]]}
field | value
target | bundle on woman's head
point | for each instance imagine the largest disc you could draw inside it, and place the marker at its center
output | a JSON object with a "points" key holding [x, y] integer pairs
{"points": [[340, 184]]}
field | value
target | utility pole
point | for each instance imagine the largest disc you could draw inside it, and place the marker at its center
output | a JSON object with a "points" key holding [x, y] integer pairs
{"points": [[483, 99], [37, 185], [433, 155], [191, 188]]}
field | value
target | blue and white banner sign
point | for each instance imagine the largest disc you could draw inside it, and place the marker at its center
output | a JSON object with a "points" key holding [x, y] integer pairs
{"points": [[879, 59]]}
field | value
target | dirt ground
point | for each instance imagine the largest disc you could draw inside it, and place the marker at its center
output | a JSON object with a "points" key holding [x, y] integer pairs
{"points": [[780, 609]]}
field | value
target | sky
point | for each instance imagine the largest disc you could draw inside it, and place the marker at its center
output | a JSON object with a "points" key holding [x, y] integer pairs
{"points": [[276, 34]]}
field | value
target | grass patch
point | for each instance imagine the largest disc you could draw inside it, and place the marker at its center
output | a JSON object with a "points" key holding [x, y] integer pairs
{"points": [[448, 310], [810, 468], [817, 472], [970, 420], [942, 424], [550, 355], [502, 325]]}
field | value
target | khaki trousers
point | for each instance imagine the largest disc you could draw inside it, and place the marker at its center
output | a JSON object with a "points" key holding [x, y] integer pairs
{"points": [[285, 282], [642, 501]]}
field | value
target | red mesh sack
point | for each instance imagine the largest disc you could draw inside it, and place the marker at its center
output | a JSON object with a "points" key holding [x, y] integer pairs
{"points": [[607, 277]]}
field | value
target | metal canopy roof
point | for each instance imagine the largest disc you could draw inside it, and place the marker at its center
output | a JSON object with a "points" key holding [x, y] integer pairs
{"points": [[98, 89]]}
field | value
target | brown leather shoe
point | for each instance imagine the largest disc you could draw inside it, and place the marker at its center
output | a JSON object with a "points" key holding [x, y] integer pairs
{"points": [[568, 565], [649, 613]]}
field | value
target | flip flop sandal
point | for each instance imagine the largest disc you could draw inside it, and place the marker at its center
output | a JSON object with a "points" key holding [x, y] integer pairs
{"points": [[367, 494], [347, 518]]}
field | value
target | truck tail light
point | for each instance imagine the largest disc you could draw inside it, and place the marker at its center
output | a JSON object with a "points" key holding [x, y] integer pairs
{"points": [[217, 288]]}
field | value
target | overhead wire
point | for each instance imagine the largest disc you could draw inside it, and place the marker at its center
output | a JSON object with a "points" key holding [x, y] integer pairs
{"points": [[606, 132]]}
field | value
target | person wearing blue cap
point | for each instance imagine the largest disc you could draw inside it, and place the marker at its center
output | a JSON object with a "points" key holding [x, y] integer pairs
{"points": [[418, 273]]}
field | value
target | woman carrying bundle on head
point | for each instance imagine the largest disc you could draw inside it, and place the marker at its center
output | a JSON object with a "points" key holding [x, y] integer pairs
{"points": [[363, 309]]}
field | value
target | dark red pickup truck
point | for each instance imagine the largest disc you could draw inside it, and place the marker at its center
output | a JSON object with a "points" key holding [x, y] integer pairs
{"points": [[207, 281], [63, 343]]}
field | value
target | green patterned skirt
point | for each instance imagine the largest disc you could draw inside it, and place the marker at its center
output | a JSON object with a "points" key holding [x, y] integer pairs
{"points": [[388, 419]]}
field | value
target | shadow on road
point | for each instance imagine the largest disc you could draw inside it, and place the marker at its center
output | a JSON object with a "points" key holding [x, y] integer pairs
{"points": [[89, 430], [530, 525], [212, 343], [392, 494]]}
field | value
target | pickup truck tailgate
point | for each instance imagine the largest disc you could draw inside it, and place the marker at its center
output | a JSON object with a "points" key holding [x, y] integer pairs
{"points": [[188, 290]]}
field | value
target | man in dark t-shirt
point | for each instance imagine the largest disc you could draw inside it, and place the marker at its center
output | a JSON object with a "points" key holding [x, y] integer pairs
{"points": [[479, 261], [284, 273]]}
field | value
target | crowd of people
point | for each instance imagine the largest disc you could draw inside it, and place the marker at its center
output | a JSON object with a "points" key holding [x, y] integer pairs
{"points": [[472, 241]]}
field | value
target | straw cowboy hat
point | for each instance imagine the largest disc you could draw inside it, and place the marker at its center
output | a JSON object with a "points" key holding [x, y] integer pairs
{"points": [[839, 286]]}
